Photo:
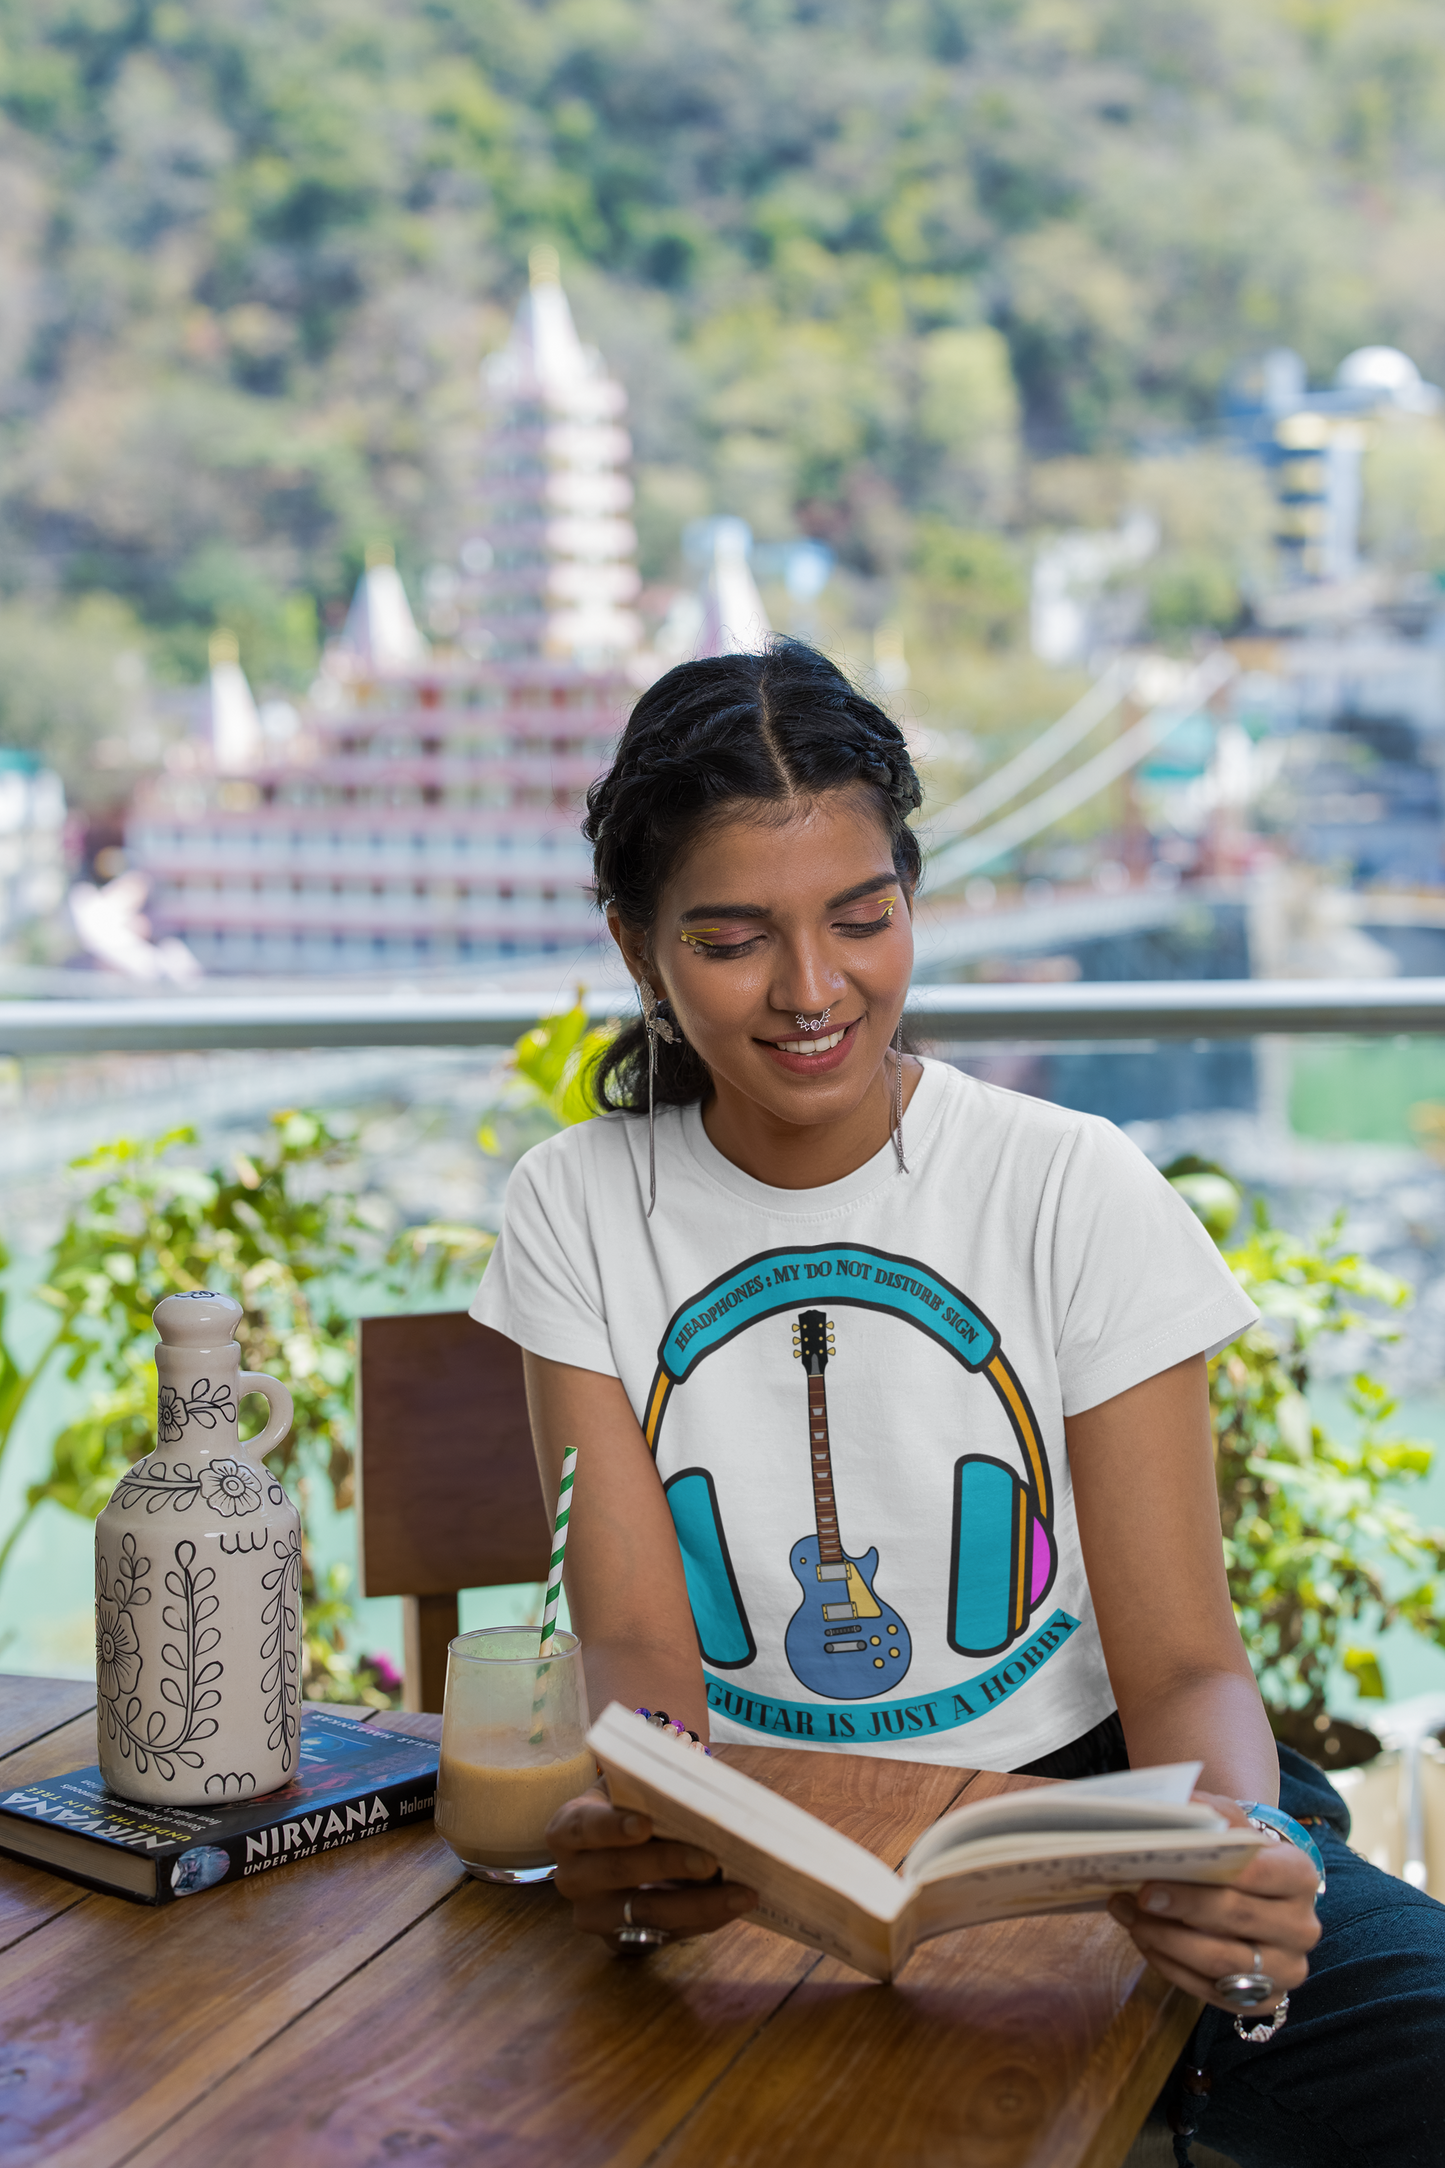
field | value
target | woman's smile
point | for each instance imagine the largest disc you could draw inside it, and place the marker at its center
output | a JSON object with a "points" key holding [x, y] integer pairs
{"points": [[811, 1057]]}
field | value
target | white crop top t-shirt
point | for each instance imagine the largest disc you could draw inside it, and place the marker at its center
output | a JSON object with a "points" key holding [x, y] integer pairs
{"points": [[855, 1396]]}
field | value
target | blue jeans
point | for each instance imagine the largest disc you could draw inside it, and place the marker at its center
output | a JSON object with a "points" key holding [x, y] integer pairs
{"points": [[1356, 2077]]}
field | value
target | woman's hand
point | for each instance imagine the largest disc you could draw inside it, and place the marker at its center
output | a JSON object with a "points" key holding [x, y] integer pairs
{"points": [[1195, 1933], [606, 1857]]}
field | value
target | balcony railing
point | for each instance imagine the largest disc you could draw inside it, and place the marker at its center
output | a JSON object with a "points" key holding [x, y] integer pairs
{"points": [[1133, 1010]]}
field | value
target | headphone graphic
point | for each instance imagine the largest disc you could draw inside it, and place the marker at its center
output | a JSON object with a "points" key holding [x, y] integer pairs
{"points": [[1004, 1557], [1004, 1554]]}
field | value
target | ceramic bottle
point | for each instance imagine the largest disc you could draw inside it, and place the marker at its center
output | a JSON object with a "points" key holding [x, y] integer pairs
{"points": [[198, 1584]]}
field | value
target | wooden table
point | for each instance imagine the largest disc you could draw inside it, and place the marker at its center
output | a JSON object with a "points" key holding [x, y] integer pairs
{"points": [[377, 2007]]}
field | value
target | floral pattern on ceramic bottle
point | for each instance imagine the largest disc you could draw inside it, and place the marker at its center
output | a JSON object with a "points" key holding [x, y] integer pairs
{"points": [[198, 1583]]}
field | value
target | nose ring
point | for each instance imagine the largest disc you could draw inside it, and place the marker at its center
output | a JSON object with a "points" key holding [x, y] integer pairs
{"points": [[804, 1024]]}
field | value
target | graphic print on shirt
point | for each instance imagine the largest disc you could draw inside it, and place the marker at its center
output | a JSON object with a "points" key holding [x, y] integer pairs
{"points": [[1003, 1554], [842, 1639]]}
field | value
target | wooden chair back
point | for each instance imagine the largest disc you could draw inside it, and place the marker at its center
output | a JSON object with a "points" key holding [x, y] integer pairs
{"points": [[447, 1491]]}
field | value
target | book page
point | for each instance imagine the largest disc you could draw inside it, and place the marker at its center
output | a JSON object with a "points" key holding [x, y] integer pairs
{"points": [[1133, 1799], [1064, 1874], [77, 1855], [815, 1885]]}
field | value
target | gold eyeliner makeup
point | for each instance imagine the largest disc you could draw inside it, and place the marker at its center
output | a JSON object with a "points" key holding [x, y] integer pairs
{"points": [[696, 936]]}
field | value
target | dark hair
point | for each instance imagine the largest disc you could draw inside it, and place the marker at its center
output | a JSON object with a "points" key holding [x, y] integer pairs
{"points": [[758, 729]]}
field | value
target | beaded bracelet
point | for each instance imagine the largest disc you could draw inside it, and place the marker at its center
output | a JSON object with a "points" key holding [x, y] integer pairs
{"points": [[661, 1721]]}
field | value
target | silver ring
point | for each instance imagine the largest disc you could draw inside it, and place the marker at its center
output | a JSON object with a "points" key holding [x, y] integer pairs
{"points": [[639, 1938], [804, 1024]]}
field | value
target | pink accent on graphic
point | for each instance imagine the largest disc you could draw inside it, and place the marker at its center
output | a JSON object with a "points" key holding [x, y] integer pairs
{"points": [[1043, 1563]]}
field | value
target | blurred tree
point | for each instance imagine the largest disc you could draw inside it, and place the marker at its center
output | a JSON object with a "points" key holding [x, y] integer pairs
{"points": [[968, 423], [73, 688], [971, 585], [1216, 516], [849, 260], [1404, 522], [1191, 590]]}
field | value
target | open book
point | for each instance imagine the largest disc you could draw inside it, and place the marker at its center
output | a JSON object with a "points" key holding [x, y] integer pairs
{"points": [[1055, 1848]]}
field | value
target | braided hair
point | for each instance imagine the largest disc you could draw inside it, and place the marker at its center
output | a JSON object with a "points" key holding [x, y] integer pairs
{"points": [[711, 735]]}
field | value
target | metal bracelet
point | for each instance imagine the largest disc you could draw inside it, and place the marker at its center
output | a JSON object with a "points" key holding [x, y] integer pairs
{"points": [[1256, 2035]]}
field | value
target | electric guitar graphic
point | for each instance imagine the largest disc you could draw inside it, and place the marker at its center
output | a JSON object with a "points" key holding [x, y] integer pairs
{"points": [[842, 1641]]}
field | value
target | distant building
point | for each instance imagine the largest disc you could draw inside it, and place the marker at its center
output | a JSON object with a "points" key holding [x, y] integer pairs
{"points": [[1080, 601], [1361, 721], [725, 614], [32, 841], [424, 811], [551, 570], [733, 620], [1313, 443]]}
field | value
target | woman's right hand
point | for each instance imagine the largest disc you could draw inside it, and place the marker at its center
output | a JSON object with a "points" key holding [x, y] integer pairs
{"points": [[607, 1856]]}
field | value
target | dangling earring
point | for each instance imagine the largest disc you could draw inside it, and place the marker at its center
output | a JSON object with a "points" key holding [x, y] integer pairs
{"points": [[898, 1097], [657, 1027]]}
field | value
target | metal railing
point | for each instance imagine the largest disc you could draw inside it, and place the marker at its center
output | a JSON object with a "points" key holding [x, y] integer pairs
{"points": [[1143, 1009]]}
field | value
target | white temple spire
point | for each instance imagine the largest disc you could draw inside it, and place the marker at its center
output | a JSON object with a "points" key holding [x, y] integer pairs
{"points": [[235, 723], [734, 620], [380, 630], [555, 494]]}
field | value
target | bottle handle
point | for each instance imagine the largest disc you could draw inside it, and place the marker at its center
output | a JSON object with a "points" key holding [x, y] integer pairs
{"points": [[279, 1398]]}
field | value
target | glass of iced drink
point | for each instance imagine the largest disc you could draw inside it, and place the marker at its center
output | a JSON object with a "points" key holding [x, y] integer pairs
{"points": [[513, 1727]]}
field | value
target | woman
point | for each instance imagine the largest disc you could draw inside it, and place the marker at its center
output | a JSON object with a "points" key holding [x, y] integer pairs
{"points": [[976, 1522]]}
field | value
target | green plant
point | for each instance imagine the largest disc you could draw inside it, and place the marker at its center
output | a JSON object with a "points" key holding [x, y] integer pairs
{"points": [[547, 1085], [285, 1232], [1317, 1546]]}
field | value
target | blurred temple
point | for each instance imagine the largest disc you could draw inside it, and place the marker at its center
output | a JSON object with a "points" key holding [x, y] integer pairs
{"points": [[551, 569], [423, 811]]}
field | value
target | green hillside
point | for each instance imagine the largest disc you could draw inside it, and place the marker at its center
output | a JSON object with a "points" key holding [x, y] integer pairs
{"points": [[915, 276]]}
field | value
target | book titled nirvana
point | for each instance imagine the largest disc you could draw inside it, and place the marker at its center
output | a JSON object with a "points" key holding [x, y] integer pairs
{"points": [[1052, 1848], [354, 1782]]}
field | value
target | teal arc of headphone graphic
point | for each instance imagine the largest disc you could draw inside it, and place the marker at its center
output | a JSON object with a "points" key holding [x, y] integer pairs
{"points": [[1004, 1557]]}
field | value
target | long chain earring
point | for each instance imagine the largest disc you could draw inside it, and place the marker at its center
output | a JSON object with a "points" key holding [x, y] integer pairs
{"points": [[657, 1027], [898, 1097]]}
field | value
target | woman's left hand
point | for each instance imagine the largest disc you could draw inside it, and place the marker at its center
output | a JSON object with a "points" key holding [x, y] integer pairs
{"points": [[1196, 1932]]}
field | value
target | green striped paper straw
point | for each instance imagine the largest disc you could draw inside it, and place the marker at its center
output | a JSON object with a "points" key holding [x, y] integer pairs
{"points": [[554, 1586], [559, 1549]]}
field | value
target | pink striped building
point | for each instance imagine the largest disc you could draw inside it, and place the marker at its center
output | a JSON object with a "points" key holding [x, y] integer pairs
{"points": [[423, 812]]}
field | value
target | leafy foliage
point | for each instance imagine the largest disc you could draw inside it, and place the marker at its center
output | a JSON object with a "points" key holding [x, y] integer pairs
{"points": [[859, 266], [155, 1225], [548, 1083], [284, 1232], [1318, 1547]]}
